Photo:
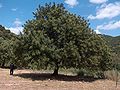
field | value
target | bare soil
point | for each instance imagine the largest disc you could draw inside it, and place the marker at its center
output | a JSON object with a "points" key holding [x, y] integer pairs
{"points": [[31, 80]]}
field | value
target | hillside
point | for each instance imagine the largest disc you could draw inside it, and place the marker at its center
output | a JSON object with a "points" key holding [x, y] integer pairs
{"points": [[5, 34], [113, 42]]}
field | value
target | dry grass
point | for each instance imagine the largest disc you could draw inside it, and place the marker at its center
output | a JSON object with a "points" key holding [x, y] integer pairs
{"points": [[32, 80], [112, 75]]}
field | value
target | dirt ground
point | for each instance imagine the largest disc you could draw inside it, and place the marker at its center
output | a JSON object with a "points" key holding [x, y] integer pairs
{"points": [[30, 80]]}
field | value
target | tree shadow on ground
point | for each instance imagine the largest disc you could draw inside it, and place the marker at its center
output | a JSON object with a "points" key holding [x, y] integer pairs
{"points": [[5, 67], [49, 76]]}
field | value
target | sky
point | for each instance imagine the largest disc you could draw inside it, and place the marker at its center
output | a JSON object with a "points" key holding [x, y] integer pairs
{"points": [[103, 15]]}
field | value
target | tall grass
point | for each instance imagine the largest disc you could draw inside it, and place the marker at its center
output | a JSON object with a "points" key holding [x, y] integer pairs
{"points": [[112, 75]]}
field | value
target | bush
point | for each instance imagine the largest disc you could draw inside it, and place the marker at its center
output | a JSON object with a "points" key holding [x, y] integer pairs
{"points": [[89, 73]]}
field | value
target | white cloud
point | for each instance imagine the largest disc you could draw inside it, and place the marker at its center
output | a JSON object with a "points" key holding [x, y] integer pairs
{"points": [[16, 30], [72, 3], [17, 22], [97, 31], [17, 27], [98, 1], [107, 11], [14, 9], [1, 5], [109, 26]]}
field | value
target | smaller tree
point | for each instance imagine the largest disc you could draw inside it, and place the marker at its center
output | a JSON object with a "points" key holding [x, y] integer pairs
{"points": [[6, 52], [6, 43]]}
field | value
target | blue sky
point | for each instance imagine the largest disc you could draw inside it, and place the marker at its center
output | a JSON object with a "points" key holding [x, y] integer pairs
{"points": [[103, 15]]}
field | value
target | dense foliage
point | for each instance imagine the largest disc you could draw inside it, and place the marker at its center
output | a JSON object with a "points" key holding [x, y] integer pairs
{"points": [[6, 49], [57, 39]]}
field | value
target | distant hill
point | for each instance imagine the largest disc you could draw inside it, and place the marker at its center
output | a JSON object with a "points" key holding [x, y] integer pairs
{"points": [[113, 42], [6, 34]]}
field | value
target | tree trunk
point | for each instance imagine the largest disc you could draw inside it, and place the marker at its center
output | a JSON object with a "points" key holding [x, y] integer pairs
{"points": [[56, 70], [3, 64]]}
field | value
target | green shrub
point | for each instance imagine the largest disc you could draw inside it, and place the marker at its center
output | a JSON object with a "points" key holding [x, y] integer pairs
{"points": [[89, 73]]}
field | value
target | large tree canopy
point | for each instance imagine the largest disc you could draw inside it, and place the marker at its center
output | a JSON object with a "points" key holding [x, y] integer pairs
{"points": [[60, 39]]}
